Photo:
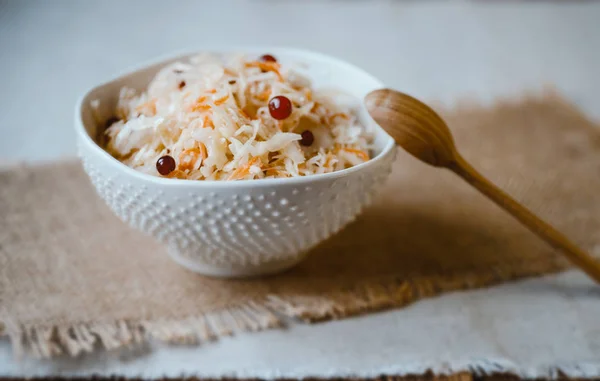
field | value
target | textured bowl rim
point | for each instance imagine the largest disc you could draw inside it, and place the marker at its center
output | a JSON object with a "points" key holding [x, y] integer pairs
{"points": [[86, 139]]}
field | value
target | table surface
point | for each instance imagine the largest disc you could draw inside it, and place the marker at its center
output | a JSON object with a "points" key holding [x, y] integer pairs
{"points": [[52, 52]]}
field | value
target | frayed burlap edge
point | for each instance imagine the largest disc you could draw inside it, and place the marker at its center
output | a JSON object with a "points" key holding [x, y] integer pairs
{"points": [[77, 339], [377, 295]]}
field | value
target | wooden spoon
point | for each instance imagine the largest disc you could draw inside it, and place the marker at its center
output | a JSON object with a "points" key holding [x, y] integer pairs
{"points": [[421, 132]]}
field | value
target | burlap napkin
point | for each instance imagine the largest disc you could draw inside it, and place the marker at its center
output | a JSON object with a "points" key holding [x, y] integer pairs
{"points": [[72, 275]]}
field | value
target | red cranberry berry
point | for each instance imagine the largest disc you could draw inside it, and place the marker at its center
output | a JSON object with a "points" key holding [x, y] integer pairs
{"points": [[268, 58], [307, 138], [165, 165], [280, 107], [181, 85]]}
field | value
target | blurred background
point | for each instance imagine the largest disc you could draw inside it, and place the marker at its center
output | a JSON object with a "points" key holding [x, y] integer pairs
{"points": [[53, 51]]}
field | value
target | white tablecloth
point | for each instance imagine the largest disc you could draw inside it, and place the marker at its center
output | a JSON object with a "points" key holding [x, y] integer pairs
{"points": [[51, 52]]}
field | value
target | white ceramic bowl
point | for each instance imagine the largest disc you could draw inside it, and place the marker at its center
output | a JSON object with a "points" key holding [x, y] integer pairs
{"points": [[236, 228]]}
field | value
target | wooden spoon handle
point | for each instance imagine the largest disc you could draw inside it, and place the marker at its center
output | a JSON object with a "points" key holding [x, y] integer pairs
{"points": [[575, 254]]}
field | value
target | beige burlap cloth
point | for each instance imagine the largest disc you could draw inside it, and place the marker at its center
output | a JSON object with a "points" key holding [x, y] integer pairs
{"points": [[72, 276]]}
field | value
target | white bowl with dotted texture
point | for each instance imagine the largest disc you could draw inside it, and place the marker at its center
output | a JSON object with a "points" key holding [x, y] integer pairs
{"points": [[236, 228]]}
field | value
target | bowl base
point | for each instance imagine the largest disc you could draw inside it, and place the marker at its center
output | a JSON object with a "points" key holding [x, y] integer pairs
{"points": [[235, 271]]}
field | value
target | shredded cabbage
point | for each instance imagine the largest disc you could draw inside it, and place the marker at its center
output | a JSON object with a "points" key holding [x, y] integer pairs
{"points": [[212, 116]]}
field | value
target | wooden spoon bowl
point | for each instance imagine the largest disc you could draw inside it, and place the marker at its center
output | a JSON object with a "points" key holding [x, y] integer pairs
{"points": [[424, 134]]}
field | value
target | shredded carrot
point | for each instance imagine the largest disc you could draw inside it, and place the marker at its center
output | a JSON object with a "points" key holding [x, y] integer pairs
{"points": [[264, 96], [177, 174], [222, 100], [358, 152], [272, 172], [203, 151], [189, 157], [267, 66], [207, 122], [151, 104], [211, 91], [242, 171], [331, 119], [244, 114], [308, 95], [199, 105], [228, 71]]}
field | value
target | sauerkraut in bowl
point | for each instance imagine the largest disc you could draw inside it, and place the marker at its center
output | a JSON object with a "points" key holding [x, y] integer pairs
{"points": [[235, 117], [235, 228]]}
